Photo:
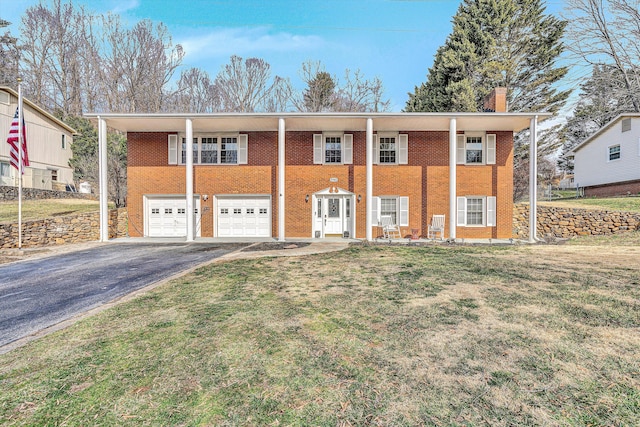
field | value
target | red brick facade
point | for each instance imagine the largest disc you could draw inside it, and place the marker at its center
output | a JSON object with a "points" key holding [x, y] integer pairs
{"points": [[424, 180]]}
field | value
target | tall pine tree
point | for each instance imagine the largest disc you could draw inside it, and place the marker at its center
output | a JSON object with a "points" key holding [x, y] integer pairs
{"points": [[509, 43]]}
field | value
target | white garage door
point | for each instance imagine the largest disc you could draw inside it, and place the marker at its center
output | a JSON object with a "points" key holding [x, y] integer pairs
{"points": [[167, 217], [248, 216]]}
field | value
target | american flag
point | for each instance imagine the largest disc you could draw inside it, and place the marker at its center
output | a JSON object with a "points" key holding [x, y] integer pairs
{"points": [[12, 140]]}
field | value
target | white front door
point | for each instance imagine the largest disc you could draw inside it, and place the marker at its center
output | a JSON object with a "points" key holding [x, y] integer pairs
{"points": [[332, 216]]}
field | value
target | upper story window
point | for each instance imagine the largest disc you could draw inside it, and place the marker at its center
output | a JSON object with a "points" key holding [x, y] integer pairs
{"points": [[210, 149], [387, 146], [184, 151], [391, 148], [626, 125], [64, 142], [332, 148], [614, 152], [476, 148]]}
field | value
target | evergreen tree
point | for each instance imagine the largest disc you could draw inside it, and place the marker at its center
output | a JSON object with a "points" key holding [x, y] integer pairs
{"points": [[320, 93], [510, 43]]}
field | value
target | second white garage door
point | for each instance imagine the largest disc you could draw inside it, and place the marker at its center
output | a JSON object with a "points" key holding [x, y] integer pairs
{"points": [[243, 216]]}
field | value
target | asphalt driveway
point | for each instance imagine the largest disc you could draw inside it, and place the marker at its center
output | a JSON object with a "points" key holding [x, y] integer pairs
{"points": [[39, 293]]}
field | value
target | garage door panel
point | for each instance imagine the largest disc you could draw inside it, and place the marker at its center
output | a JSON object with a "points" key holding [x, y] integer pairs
{"points": [[243, 216], [167, 217]]}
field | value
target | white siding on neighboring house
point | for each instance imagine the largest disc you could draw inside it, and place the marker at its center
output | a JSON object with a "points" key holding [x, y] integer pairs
{"points": [[44, 143], [592, 165]]}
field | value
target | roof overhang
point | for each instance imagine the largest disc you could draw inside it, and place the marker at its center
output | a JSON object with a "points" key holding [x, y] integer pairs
{"points": [[602, 130], [41, 111], [246, 122]]}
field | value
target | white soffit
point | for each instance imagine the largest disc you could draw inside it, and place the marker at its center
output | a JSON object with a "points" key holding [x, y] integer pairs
{"points": [[318, 122]]}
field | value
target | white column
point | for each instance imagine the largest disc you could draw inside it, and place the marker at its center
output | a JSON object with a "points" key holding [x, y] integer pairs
{"points": [[369, 179], [533, 180], [189, 177], [281, 189], [102, 172], [452, 177]]}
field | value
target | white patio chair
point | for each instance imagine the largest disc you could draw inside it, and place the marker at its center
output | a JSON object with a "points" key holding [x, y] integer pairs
{"points": [[389, 229], [436, 226]]}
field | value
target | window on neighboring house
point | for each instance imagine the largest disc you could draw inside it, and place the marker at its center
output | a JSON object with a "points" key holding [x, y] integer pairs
{"points": [[54, 174], [626, 125], [396, 207], [332, 149], [4, 97], [475, 211], [5, 169], [64, 143], [476, 148], [210, 150], [614, 152]]}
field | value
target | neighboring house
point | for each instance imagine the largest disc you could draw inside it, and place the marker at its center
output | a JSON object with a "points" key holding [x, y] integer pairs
{"points": [[567, 182], [608, 162], [48, 143], [317, 175]]}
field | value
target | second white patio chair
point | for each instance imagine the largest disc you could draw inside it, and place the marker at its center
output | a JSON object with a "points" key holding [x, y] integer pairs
{"points": [[436, 226], [390, 230]]}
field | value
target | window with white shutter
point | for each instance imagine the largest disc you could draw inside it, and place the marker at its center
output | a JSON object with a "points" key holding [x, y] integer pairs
{"points": [[476, 211], [347, 149], [476, 148], [173, 149]]}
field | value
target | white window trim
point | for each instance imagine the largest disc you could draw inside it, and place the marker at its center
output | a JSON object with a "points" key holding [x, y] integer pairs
{"points": [[489, 148], [402, 209], [319, 148], [489, 213], [402, 148], [175, 140], [609, 159]]}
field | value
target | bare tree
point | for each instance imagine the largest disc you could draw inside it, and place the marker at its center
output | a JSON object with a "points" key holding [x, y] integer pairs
{"points": [[359, 94], [52, 51], [138, 64], [326, 93], [246, 86], [9, 57], [608, 31], [195, 93]]}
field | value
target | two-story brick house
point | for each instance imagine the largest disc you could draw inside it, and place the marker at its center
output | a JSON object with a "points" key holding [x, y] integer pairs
{"points": [[317, 175]]}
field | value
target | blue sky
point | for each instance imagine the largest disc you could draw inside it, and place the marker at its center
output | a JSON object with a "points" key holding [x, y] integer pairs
{"points": [[394, 40]]}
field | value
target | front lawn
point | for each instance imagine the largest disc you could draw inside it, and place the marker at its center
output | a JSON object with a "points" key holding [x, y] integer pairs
{"points": [[625, 204], [373, 335], [38, 209]]}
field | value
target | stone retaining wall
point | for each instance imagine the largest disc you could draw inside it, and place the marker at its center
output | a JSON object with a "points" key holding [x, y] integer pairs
{"points": [[11, 193], [59, 230], [566, 222]]}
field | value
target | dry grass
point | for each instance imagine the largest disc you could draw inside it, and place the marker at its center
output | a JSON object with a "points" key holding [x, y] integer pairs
{"points": [[38, 209], [374, 335]]}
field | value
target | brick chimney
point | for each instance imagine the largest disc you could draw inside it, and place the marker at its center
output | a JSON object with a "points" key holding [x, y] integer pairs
{"points": [[496, 101]]}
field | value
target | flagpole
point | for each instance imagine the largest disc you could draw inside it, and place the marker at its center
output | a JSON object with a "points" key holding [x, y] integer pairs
{"points": [[20, 165]]}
